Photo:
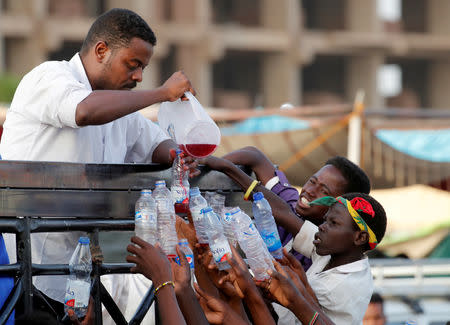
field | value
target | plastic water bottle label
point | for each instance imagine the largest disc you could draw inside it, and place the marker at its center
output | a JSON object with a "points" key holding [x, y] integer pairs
{"points": [[271, 240], [77, 294], [251, 230], [148, 216], [196, 215], [137, 215], [190, 259], [219, 251]]}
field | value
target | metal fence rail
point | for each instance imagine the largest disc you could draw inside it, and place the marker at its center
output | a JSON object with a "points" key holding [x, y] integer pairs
{"points": [[88, 197]]}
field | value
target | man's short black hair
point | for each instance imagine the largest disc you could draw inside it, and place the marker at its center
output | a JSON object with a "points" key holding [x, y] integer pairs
{"points": [[357, 179], [117, 27], [377, 222]]}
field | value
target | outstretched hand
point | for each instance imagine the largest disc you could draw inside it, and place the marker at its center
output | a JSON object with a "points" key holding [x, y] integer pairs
{"points": [[150, 261], [88, 319], [181, 272]]}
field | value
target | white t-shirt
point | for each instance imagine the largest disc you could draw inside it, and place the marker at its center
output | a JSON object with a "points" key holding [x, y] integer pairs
{"points": [[343, 292], [40, 125]]}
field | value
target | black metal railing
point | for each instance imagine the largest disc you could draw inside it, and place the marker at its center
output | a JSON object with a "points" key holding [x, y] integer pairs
{"points": [[50, 197]]}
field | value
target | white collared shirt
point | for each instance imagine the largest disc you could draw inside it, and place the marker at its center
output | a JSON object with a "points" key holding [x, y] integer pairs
{"points": [[40, 125], [343, 292]]}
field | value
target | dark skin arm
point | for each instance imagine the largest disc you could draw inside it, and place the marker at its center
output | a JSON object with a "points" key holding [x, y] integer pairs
{"points": [[104, 106], [154, 265], [256, 160], [186, 297], [280, 209]]}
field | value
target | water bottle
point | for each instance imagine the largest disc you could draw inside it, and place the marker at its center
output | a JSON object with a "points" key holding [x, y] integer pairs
{"points": [[180, 185], [226, 219], [218, 243], [262, 212], [196, 203], [216, 201], [162, 196], [145, 225], [251, 243], [78, 285], [184, 246]]}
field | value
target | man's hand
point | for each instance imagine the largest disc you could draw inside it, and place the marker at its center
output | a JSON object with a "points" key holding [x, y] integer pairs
{"points": [[175, 87], [150, 261]]}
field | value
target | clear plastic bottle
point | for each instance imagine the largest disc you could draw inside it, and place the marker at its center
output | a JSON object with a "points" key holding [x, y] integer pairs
{"points": [[227, 218], [218, 243], [196, 203], [262, 212], [184, 246], [251, 243], [145, 225], [162, 196], [180, 185], [78, 285]]}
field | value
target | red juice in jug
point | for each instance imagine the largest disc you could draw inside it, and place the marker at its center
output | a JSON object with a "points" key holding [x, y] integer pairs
{"points": [[181, 207], [199, 149]]}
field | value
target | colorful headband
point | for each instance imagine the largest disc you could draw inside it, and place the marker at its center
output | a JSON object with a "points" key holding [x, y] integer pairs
{"points": [[356, 204]]}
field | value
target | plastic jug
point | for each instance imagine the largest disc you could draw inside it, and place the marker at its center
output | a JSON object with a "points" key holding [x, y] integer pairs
{"points": [[190, 126]]}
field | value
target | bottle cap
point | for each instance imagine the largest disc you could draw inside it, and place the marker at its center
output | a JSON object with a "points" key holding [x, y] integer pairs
{"points": [[194, 191], [178, 151], [84, 240], [235, 210], [160, 183], [206, 210], [182, 241], [146, 191], [258, 196]]}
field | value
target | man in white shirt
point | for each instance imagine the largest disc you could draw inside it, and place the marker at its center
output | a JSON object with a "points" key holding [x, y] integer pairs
{"points": [[85, 111]]}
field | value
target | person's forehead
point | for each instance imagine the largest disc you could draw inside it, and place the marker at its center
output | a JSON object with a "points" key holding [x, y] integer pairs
{"points": [[137, 49], [339, 211], [332, 178]]}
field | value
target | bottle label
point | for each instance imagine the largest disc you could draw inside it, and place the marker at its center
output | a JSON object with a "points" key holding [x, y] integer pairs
{"points": [[179, 194], [147, 215], [77, 294], [272, 241], [219, 251], [190, 259], [137, 215], [196, 215]]}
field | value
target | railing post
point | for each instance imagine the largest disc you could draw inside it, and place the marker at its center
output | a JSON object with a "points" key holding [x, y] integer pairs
{"points": [[23, 244]]}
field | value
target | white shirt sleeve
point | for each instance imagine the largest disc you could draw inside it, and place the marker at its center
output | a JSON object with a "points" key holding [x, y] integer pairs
{"points": [[303, 241], [143, 138], [52, 95]]}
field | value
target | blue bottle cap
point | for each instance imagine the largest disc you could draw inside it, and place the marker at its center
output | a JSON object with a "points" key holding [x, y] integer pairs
{"points": [[194, 191], [160, 183], [183, 242], [146, 191], [178, 151], [84, 240], [235, 210], [258, 196], [206, 210]]}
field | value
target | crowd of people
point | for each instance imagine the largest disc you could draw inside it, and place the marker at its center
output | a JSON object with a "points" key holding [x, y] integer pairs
{"points": [[84, 111]]}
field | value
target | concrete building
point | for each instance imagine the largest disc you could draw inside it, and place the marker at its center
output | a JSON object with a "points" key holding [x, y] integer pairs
{"points": [[258, 52]]}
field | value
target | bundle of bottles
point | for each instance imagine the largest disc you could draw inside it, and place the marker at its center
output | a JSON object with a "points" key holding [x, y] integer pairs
{"points": [[216, 226]]}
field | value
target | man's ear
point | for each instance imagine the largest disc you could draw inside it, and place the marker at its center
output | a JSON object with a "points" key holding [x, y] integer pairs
{"points": [[361, 238], [102, 51]]}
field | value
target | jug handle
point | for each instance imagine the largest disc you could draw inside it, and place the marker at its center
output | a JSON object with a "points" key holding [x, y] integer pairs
{"points": [[192, 98]]}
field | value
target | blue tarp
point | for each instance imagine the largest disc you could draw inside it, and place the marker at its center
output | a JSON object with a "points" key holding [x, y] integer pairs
{"points": [[265, 124], [431, 145]]}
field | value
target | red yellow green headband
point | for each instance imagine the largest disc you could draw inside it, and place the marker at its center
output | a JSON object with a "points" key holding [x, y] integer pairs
{"points": [[353, 206]]}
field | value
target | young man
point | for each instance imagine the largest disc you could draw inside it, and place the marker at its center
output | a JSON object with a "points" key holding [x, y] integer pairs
{"points": [[85, 111], [336, 177]]}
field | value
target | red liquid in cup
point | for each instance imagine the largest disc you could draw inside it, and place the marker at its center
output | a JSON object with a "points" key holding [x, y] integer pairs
{"points": [[199, 149], [181, 207]]}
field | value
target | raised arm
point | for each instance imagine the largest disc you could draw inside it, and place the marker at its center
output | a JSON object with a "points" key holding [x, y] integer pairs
{"points": [[256, 160], [280, 209], [104, 106]]}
